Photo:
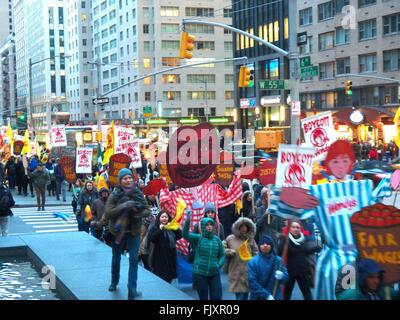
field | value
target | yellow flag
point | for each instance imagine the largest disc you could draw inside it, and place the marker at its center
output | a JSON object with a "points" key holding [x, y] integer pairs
{"points": [[10, 135], [27, 147], [88, 213], [397, 117], [244, 252], [175, 223], [101, 183], [238, 206], [110, 144], [37, 148]]}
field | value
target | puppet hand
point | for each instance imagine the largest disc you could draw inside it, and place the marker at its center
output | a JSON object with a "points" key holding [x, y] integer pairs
{"points": [[270, 297], [298, 198], [278, 275]]}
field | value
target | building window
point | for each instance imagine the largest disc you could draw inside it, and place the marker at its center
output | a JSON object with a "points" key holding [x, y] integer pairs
{"points": [[170, 28], [391, 24], [146, 28], [146, 62], [114, 72], [340, 4], [200, 95], [147, 81], [307, 48], [171, 78], [367, 29], [106, 74], [196, 112], [228, 13], [343, 66], [391, 60], [199, 28], [146, 46], [305, 16], [342, 36], [325, 11], [228, 78], [201, 78], [369, 96], [170, 44], [170, 61], [367, 63], [114, 101], [327, 70], [147, 96], [364, 3], [326, 41], [199, 12], [169, 11], [172, 95], [228, 95], [205, 45]]}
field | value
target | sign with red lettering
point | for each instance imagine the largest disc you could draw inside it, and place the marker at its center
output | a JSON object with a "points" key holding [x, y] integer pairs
{"points": [[267, 173], [319, 132], [84, 160], [58, 136], [68, 168], [376, 231], [117, 162], [294, 168], [224, 171], [125, 142]]}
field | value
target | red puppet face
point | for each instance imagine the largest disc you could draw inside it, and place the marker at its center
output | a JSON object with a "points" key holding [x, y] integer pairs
{"points": [[192, 155]]}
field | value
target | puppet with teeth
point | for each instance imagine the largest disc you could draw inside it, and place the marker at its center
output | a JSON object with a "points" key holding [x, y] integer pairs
{"points": [[192, 156]]}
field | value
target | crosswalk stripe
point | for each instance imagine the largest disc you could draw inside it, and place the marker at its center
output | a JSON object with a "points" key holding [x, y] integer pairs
{"points": [[42, 219], [44, 222], [59, 230], [57, 225]]}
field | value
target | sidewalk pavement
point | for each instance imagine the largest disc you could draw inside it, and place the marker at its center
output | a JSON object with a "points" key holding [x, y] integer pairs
{"points": [[28, 201]]}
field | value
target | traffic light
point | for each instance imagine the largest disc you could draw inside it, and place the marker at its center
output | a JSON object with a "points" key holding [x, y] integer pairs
{"points": [[348, 88], [187, 45], [21, 116], [245, 77]]}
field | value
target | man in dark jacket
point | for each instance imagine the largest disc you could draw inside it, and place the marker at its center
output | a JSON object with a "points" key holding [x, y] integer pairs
{"points": [[41, 179], [6, 202], [10, 171], [59, 180], [125, 209], [98, 210]]}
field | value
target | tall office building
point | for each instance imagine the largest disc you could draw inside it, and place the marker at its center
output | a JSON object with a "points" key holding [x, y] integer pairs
{"points": [[6, 19], [41, 69], [135, 38], [346, 37]]}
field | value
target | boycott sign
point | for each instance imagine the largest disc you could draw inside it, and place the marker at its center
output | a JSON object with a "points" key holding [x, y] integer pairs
{"points": [[267, 173], [58, 136], [376, 231], [320, 133], [68, 168], [126, 143], [117, 162], [294, 168], [84, 160]]}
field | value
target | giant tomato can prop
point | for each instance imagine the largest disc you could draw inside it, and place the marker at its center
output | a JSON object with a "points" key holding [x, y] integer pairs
{"points": [[376, 231]]}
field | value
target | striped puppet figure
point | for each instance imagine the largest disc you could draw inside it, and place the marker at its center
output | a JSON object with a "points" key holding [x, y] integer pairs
{"points": [[331, 204]]}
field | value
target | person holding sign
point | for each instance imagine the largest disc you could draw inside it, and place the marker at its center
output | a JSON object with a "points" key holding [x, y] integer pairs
{"points": [[243, 235]]}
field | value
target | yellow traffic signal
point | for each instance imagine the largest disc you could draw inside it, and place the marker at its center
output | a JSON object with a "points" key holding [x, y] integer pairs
{"points": [[245, 77], [187, 45], [348, 88]]}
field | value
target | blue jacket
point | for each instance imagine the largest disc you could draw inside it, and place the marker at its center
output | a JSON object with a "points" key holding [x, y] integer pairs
{"points": [[261, 268]]}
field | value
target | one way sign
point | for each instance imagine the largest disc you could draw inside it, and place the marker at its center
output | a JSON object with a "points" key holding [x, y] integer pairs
{"points": [[101, 100]]}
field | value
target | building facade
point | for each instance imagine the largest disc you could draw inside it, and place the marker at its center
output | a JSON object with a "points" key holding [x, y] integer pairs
{"points": [[6, 19], [135, 38], [41, 62], [257, 107], [347, 37]]}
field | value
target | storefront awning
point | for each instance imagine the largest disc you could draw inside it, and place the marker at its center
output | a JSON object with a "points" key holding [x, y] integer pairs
{"points": [[371, 115]]}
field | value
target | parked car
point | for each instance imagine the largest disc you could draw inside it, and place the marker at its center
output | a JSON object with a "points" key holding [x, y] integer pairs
{"points": [[374, 170]]}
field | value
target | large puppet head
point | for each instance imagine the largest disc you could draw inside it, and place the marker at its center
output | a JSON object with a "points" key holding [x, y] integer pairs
{"points": [[192, 155], [340, 159]]}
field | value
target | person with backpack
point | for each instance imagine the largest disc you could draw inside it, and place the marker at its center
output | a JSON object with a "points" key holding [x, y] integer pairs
{"points": [[6, 202], [209, 258]]}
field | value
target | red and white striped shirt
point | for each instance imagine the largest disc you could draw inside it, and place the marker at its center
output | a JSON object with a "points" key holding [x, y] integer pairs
{"points": [[205, 193]]}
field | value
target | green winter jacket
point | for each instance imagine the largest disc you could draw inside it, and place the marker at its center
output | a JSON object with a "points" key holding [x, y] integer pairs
{"points": [[356, 294], [209, 251]]}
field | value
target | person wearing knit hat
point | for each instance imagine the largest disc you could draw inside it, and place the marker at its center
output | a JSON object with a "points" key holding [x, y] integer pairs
{"points": [[211, 212], [126, 207], [264, 270]]}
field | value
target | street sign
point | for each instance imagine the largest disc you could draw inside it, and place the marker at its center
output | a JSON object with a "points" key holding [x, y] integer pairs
{"points": [[296, 108], [272, 85], [247, 103], [305, 61], [101, 100], [147, 111], [301, 38], [309, 72]]}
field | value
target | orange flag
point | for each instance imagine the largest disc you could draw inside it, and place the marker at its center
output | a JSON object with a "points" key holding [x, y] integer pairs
{"points": [[244, 252]]}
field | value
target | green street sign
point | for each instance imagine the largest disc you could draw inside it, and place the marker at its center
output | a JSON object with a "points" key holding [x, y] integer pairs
{"points": [[305, 62], [309, 72], [147, 109], [272, 85]]}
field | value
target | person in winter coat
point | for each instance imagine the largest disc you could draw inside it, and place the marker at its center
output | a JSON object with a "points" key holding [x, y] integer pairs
{"points": [[209, 258], [247, 210], [227, 216], [40, 179], [6, 202], [298, 265], [125, 210], [264, 270], [243, 230], [86, 198], [98, 210], [10, 171], [21, 179], [60, 181], [163, 248], [369, 284], [211, 212]]}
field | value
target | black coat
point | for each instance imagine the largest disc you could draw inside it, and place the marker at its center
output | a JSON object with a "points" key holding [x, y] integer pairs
{"points": [[6, 202], [162, 256]]}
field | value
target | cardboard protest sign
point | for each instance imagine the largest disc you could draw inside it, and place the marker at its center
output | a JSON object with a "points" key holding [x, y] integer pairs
{"points": [[294, 167], [117, 162], [376, 231], [125, 142], [68, 168], [267, 172], [84, 160], [58, 136], [319, 132], [17, 147], [224, 171]]}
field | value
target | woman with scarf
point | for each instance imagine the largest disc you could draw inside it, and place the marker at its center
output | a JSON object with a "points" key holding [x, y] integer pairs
{"points": [[163, 248], [243, 235], [298, 265], [247, 210]]}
